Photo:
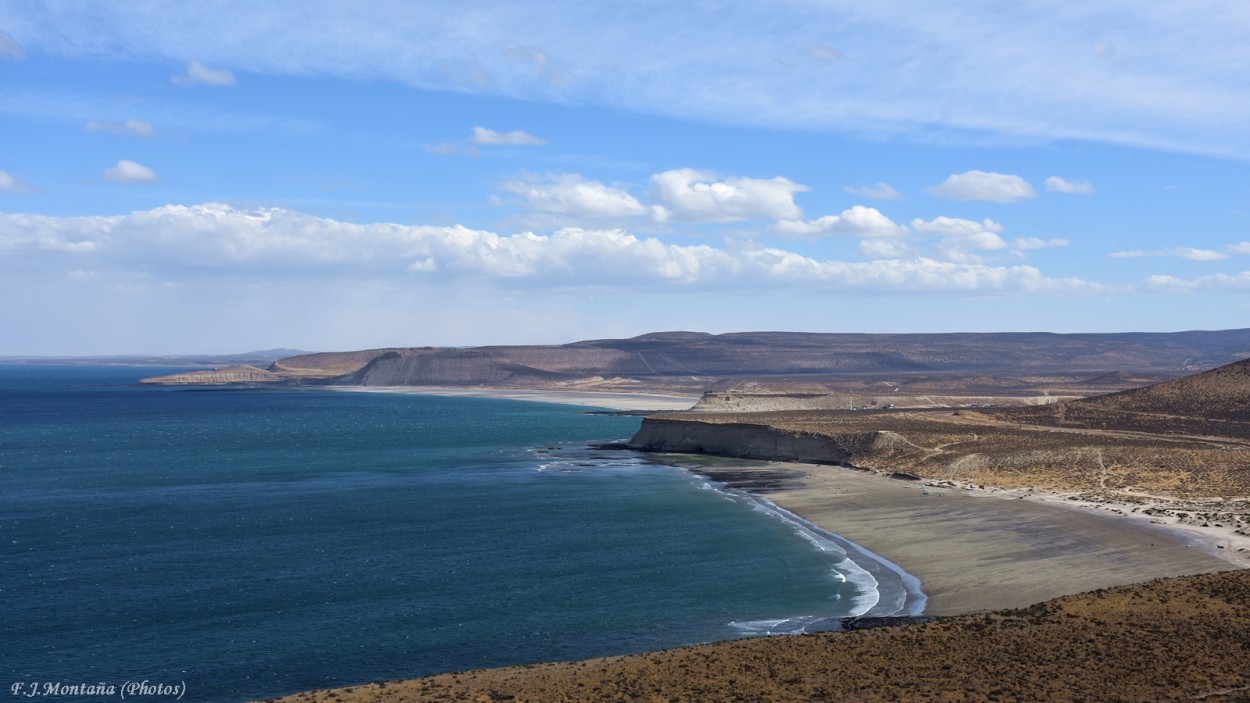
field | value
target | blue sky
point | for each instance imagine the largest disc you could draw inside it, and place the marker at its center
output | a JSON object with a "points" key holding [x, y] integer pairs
{"points": [[225, 176]]}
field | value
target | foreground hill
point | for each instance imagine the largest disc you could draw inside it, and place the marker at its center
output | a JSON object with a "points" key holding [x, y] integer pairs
{"points": [[1173, 639], [694, 360], [1215, 402]]}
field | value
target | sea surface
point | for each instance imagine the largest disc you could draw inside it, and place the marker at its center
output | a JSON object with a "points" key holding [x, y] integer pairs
{"points": [[250, 543]]}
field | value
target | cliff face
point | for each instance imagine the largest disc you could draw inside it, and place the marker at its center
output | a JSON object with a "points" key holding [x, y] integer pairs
{"points": [[738, 440]]}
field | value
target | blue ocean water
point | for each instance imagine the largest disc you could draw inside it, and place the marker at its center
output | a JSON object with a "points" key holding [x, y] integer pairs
{"points": [[252, 543]]}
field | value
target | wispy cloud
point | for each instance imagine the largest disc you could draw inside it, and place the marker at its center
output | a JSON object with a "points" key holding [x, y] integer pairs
{"points": [[10, 49], [1029, 243], [82, 108], [1055, 184], [571, 194], [1117, 72], [881, 191], [1175, 253], [12, 184], [126, 171], [1232, 283], [134, 128], [489, 137], [982, 185], [199, 74]]}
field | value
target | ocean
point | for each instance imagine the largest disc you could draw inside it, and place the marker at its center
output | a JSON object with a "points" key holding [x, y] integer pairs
{"points": [[237, 544]]}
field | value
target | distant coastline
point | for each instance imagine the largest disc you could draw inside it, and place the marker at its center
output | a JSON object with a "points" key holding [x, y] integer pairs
{"points": [[644, 402]]}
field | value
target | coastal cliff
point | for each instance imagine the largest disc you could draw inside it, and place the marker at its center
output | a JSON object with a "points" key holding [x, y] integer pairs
{"points": [[741, 440]]}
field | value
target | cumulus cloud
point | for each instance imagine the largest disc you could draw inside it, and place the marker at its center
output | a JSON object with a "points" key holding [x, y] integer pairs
{"points": [[947, 238], [12, 184], [489, 137], [126, 171], [699, 196], [881, 191], [10, 49], [134, 128], [857, 221], [983, 185], [1027, 243], [1055, 184], [216, 237], [1240, 248], [1174, 252], [961, 239], [571, 194], [199, 74]]}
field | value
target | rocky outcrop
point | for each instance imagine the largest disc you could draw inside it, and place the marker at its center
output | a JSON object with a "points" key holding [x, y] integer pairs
{"points": [[229, 375], [740, 440]]}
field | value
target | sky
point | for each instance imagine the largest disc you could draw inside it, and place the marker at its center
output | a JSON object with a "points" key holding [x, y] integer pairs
{"points": [[220, 176]]}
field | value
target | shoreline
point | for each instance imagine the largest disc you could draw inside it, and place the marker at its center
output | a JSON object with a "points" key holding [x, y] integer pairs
{"points": [[625, 402], [976, 550], [914, 599]]}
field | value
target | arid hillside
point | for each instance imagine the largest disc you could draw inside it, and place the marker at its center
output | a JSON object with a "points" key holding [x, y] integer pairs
{"points": [[1175, 639], [1215, 402], [692, 361]]}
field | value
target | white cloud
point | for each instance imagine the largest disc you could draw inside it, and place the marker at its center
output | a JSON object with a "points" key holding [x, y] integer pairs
{"points": [[450, 149], [923, 71], [1232, 283], [12, 184], [881, 191], [213, 237], [126, 171], [199, 74], [1055, 184], [885, 248], [698, 196], [1175, 252], [571, 194], [10, 49], [857, 221], [490, 137], [1240, 248], [982, 185], [961, 239], [135, 128], [1026, 243]]}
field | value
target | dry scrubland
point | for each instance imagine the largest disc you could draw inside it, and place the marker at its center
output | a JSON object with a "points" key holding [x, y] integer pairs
{"points": [[1175, 639]]}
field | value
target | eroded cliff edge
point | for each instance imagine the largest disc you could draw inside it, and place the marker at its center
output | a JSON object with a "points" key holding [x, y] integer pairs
{"points": [[740, 440]]}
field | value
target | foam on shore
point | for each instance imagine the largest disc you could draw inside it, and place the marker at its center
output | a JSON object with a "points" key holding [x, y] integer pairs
{"points": [[883, 588]]}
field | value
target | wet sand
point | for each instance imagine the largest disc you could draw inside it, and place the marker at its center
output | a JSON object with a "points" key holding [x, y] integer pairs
{"points": [[987, 552]]}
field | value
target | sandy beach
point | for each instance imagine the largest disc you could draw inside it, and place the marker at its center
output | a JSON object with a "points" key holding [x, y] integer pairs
{"points": [[978, 550], [635, 402]]}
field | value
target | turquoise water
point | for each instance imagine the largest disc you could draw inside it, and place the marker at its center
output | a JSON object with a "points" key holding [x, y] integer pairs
{"points": [[257, 542]]}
